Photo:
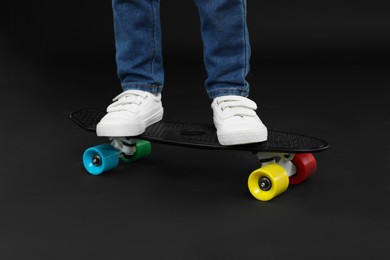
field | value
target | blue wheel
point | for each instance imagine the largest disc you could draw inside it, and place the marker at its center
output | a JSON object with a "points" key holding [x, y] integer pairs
{"points": [[100, 158]]}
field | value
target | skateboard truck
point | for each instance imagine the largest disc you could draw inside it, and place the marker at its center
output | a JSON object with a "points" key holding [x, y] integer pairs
{"points": [[282, 159], [126, 146]]}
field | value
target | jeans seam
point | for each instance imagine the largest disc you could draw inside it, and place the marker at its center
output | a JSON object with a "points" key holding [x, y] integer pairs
{"points": [[154, 41], [244, 38]]}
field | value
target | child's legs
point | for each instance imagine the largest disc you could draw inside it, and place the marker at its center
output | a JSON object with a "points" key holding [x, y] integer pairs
{"points": [[226, 46], [138, 44]]}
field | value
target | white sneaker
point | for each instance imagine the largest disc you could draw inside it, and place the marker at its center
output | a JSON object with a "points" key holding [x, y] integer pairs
{"points": [[130, 114], [236, 121]]}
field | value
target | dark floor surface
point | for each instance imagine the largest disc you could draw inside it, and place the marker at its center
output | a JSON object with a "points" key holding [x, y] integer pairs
{"points": [[183, 203]]}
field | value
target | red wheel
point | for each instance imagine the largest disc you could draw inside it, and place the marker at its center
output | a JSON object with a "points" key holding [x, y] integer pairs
{"points": [[306, 165]]}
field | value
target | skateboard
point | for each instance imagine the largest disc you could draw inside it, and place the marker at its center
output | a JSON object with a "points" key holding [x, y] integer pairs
{"points": [[285, 158]]}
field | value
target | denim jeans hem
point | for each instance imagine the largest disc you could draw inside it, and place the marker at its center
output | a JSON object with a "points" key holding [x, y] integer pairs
{"points": [[228, 91], [154, 89]]}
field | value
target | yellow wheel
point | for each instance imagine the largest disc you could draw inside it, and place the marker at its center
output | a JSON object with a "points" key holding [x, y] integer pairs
{"points": [[268, 182]]}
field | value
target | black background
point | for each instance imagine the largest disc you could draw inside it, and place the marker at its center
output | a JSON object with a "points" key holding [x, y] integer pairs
{"points": [[318, 68], [277, 28]]}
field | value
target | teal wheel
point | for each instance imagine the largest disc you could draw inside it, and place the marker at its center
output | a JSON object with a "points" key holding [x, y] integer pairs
{"points": [[100, 158], [142, 149]]}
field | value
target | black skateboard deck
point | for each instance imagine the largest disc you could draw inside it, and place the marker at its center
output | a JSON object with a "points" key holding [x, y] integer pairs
{"points": [[205, 136], [285, 158]]}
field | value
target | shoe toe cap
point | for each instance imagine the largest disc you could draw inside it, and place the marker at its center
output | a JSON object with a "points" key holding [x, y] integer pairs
{"points": [[242, 124]]}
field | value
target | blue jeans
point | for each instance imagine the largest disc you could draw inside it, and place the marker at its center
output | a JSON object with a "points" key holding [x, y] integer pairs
{"points": [[225, 43]]}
